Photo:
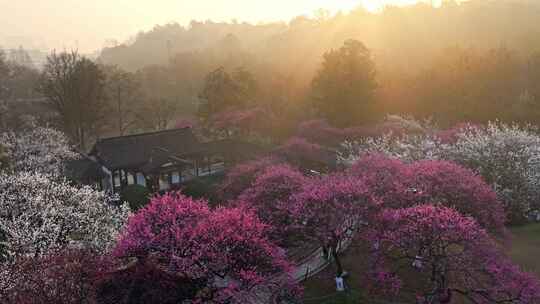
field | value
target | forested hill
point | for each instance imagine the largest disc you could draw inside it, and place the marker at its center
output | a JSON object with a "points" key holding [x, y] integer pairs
{"points": [[416, 33]]}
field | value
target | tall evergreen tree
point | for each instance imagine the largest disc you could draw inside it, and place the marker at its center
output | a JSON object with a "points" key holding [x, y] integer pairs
{"points": [[343, 88]]}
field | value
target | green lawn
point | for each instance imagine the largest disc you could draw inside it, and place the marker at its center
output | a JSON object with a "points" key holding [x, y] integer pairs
{"points": [[524, 249]]}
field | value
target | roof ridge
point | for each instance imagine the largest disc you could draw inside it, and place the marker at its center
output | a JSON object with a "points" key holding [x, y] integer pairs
{"points": [[143, 134]]}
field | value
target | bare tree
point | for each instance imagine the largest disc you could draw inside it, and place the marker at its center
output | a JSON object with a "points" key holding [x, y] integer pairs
{"points": [[124, 96], [75, 87]]}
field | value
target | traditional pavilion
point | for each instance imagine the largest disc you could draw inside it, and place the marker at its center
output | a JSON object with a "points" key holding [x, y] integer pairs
{"points": [[160, 160]]}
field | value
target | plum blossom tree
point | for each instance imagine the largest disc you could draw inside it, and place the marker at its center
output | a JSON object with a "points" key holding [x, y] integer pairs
{"points": [[62, 277], [306, 155], [321, 132], [244, 122], [506, 156], [143, 282], [223, 254], [242, 176], [448, 253], [331, 208], [451, 185], [37, 149], [386, 178], [399, 185], [39, 215], [270, 198], [451, 136]]}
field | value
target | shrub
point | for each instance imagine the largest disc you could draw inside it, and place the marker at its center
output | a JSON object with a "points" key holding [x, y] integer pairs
{"points": [[204, 188], [136, 196]]}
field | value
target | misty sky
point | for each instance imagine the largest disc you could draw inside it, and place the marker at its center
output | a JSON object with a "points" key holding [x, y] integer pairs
{"points": [[87, 24]]}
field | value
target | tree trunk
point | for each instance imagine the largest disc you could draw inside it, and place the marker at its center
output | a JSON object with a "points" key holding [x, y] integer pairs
{"points": [[337, 261]]}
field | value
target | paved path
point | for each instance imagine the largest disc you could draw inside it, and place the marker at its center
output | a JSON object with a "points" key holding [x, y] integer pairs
{"points": [[310, 266]]}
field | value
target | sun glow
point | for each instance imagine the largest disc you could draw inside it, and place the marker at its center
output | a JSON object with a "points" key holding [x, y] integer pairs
{"points": [[377, 5]]}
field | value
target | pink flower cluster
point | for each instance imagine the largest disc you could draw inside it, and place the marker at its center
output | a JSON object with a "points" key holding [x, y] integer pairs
{"points": [[449, 254], [225, 248], [397, 185], [299, 151], [270, 198], [243, 121], [241, 177]]}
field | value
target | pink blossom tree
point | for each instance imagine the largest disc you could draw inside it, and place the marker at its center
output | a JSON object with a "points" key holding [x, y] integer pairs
{"points": [[304, 154], [451, 185], [386, 178], [331, 208], [320, 132], [398, 185], [242, 176], [242, 122], [223, 252], [269, 197], [448, 254], [145, 281], [62, 277]]}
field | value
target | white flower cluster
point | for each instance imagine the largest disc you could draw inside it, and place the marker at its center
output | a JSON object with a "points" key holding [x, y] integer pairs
{"points": [[37, 149], [408, 148], [39, 214], [507, 157]]}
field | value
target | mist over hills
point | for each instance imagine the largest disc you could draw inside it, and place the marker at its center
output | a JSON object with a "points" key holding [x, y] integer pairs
{"points": [[415, 32]]}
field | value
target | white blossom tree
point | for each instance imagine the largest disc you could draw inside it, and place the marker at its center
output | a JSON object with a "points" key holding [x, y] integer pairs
{"points": [[37, 149], [39, 214], [506, 156]]}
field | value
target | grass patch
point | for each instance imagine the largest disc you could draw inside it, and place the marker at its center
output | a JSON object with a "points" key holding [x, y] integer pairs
{"points": [[525, 247], [347, 297]]}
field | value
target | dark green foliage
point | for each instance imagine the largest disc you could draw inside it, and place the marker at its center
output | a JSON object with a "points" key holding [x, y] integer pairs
{"points": [[344, 87], [136, 195], [204, 187], [223, 91]]}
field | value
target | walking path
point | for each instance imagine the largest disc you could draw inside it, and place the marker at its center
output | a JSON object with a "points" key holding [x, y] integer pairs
{"points": [[310, 266]]}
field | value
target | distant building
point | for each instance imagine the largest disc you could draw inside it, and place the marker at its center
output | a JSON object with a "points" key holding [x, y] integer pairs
{"points": [[160, 160]]}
